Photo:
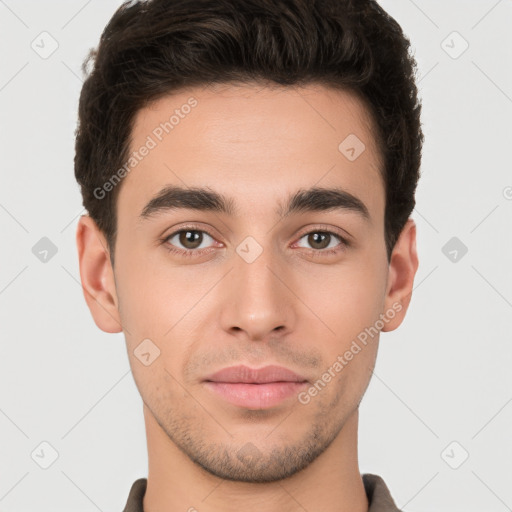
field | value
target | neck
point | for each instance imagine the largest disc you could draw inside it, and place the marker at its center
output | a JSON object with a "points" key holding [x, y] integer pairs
{"points": [[331, 483]]}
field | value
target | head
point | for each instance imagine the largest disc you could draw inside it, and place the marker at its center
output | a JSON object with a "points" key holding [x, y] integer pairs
{"points": [[249, 169]]}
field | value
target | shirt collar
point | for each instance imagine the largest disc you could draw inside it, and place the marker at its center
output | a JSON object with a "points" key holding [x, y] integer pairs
{"points": [[377, 492]]}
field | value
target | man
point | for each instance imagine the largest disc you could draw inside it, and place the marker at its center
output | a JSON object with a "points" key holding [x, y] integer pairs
{"points": [[249, 168]]}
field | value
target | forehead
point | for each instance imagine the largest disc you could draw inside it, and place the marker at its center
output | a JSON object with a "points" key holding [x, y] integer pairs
{"points": [[254, 140]]}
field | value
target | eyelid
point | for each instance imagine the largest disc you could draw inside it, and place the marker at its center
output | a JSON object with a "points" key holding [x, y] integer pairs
{"points": [[190, 227], [344, 236]]}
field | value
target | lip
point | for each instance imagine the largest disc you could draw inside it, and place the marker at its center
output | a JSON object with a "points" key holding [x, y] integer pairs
{"points": [[247, 375], [253, 388]]}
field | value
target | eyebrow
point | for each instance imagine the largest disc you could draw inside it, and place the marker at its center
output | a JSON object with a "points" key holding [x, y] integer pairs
{"points": [[315, 199]]}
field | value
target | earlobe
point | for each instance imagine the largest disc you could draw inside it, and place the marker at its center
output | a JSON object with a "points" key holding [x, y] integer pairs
{"points": [[402, 269], [97, 275]]}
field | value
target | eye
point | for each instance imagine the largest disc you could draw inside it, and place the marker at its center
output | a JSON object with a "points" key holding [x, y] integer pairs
{"points": [[324, 241], [191, 241]]}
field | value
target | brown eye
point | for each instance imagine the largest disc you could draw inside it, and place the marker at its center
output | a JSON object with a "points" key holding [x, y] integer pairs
{"points": [[320, 240], [188, 239]]}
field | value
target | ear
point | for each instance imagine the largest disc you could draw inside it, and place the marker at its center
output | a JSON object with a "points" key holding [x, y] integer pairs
{"points": [[97, 275], [402, 269]]}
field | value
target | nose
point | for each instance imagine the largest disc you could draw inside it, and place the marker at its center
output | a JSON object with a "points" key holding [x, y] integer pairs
{"points": [[258, 301]]}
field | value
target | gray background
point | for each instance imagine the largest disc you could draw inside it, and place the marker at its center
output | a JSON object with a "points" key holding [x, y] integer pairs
{"points": [[442, 385]]}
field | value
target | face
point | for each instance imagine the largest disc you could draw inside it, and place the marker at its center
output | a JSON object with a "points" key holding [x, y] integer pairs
{"points": [[280, 261]]}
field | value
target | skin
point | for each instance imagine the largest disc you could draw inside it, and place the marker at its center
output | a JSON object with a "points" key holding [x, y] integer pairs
{"points": [[256, 145]]}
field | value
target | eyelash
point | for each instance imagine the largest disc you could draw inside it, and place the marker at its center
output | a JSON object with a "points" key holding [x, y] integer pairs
{"points": [[344, 243]]}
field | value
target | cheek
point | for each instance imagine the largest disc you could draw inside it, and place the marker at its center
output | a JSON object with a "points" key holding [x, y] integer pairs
{"points": [[146, 295], [158, 306], [158, 386], [349, 302], [347, 298]]}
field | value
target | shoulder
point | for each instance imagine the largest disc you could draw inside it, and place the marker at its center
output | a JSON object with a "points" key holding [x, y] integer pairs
{"points": [[379, 497], [137, 491]]}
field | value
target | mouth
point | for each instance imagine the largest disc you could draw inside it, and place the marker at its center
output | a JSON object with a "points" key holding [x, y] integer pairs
{"points": [[255, 388]]}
